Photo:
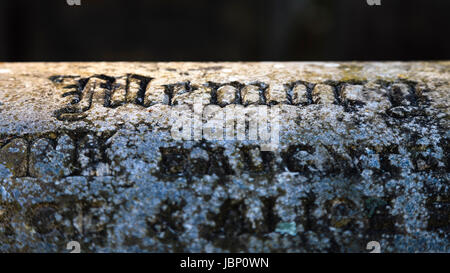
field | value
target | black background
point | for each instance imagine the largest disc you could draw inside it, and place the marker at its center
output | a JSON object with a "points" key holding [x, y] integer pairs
{"points": [[228, 30]]}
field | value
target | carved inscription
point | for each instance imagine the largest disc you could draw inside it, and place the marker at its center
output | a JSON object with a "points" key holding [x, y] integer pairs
{"points": [[112, 92]]}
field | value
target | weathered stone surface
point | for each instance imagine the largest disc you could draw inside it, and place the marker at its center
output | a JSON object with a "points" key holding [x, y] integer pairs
{"points": [[300, 94], [14, 157], [250, 94], [276, 93], [87, 153], [323, 94], [226, 95], [47, 160]]}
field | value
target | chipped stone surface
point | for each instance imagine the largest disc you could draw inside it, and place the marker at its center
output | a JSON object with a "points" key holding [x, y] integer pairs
{"points": [[87, 154]]}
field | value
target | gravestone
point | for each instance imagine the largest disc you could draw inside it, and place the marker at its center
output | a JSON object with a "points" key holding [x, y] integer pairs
{"points": [[212, 157]]}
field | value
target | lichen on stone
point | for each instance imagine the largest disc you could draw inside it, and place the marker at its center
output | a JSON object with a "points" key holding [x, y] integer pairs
{"points": [[363, 156]]}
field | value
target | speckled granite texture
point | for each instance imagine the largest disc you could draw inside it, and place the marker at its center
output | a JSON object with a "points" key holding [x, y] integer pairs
{"points": [[87, 154]]}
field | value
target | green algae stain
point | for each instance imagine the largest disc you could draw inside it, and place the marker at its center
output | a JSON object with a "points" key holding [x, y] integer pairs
{"points": [[289, 228], [351, 73]]}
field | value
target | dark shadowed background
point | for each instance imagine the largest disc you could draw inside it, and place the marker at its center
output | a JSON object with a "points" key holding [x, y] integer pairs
{"points": [[231, 30]]}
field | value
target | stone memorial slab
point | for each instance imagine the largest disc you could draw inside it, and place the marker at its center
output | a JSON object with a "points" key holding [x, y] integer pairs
{"points": [[213, 157]]}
